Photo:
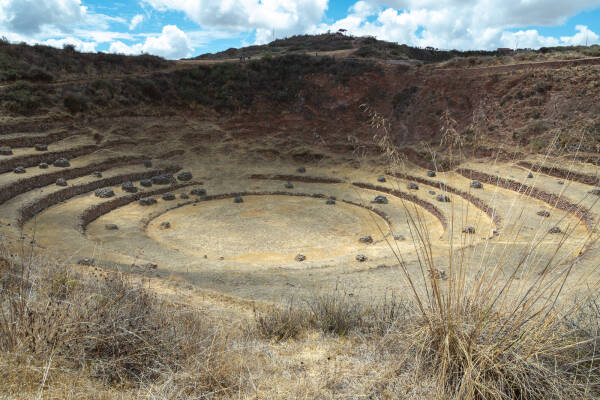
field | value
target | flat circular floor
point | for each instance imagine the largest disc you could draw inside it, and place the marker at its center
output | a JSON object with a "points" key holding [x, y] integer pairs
{"points": [[267, 229]]}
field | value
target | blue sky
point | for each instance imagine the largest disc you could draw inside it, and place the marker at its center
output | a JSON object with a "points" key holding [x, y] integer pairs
{"points": [[185, 28]]}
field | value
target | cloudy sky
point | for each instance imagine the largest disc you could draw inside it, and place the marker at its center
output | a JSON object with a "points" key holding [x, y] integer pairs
{"points": [[184, 28]]}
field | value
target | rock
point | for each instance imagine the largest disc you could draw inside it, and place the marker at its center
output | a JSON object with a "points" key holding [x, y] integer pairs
{"points": [[150, 266], [20, 170], [41, 147], [164, 179], [97, 174], [366, 239], [431, 192], [318, 196], [164, 225], [361, 258], [238, 199], [62, 163], [380, 200], [555, 229], [530, 175], [437, 274], [146, 182], [111, 227], [61, 182], [330, 202], [381, 178], [476, 185], [443, 198], [543, 213], [198, 192], [104, 193], [289, 185], [184, 196], [43, 165], [185, 176], [399, 237], [431, 174], [5, 151], [87, 261], [300, 257], [147, 201], [148, 163], [413, 186], [561, 182], [595, 192], [469, 230], [302, 170], [129, 187], [168, 197]]}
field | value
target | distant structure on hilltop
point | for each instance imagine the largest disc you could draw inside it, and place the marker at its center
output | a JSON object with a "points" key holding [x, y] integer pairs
{"points": [[505, 50]]}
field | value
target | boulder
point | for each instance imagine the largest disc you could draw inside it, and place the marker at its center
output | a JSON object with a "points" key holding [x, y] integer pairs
{"points": [[330, 202], [43, 165], [238, 199], [432, 192], [185, 176], [399, 237], [146, 182], [300, 257], [469, 230], [41, 147], [5, 151], [289, 185], [361, 258], [412, 186], [318, 196], [530, 175], [543, 213], [20, 170], [104, 193], [198, 192], [443, 198], [164, 225], [476, 185], [302, 170], [381, 178], [61, 182], [431, 174], [147, 201], [97, 174], [111, 227], [555, 229], [380, 200], [164, 179], [561, 182], [184, 196], [87, 261], [366, 239], [168, 197], [62, 163], [129, 187], [595, 192]]}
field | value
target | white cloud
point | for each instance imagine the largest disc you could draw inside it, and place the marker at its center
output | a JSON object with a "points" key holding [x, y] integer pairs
{"points": [[87, 47], [583, 36], [172, 43], [31, 16], [135, 21]]}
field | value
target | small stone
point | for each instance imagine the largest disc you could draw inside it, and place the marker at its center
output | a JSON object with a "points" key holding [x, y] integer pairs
{"points": [[148, 163], [380, 200], [87, 261], [561, 182], [111, 227], [543, 213], [146, 182], [302, 170], [595, 192], [43, 165], [476, 185], [330, 202], [442, 198], [469, 230], [238, 199], [530, 175], [164, 225], [147, 201], [300, 257], [185, 176], [164, 179], [361, 258], [41, 147], [555, 229], [289, 185], [431, 174], [318, 196], [399, 237], [129, 187], [150, 266], [61, 182], [184, 196], [413, 186], [168, 197], [62, 163], [104, 193], [20, 170], [198, 192], [381, 178], [431, 192], [5, 151], [366, 239], [97, 174]]}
